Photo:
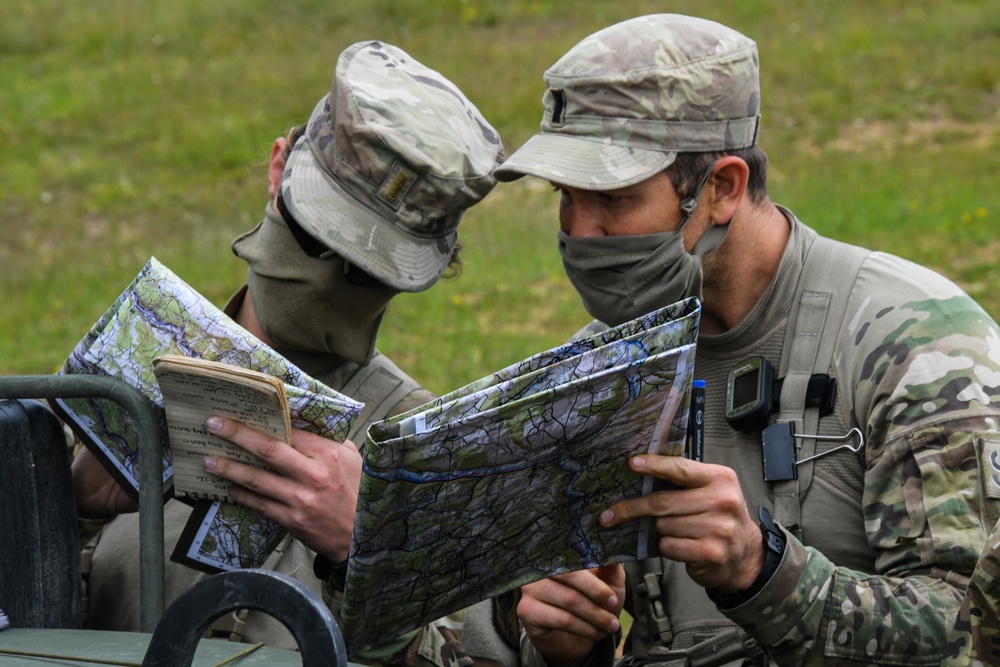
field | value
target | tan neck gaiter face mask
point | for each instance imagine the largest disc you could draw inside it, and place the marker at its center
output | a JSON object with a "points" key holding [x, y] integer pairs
{"points": [[304, 303]]}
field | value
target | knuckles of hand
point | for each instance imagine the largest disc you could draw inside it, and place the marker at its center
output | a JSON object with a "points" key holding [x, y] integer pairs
{"points": [[297, 521], [660, 502], [726, 475], [301, 496], [253, 479], [269, 448], [730, 504], [715, 554]]}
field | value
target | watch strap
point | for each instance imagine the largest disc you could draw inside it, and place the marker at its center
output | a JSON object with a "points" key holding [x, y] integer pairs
{"points": [[326, 570], [774, 548]]}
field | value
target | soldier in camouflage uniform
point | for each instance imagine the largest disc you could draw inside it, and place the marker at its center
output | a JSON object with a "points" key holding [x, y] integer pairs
{"points": [[366, 201], [650, 135]]}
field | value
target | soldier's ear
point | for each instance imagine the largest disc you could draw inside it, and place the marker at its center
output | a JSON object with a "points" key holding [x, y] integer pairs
{"points": [[276, 166], [728, 186]]}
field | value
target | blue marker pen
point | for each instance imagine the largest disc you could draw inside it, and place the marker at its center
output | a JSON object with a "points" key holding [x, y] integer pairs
{"points": [[696, 426]]}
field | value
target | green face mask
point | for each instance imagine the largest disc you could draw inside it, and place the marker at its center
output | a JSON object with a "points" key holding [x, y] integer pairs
{"points": [[620, 278], [305, 303]]}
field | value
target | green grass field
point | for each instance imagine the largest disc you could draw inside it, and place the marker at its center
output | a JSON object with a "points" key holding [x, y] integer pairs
{"points": [[132, 129]]}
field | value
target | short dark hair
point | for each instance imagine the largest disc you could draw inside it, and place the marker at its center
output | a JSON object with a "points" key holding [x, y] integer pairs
{"points": [[688, 169]]}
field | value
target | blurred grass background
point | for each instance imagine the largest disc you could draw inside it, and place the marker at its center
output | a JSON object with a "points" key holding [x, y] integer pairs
{"points": [[134, 128]]}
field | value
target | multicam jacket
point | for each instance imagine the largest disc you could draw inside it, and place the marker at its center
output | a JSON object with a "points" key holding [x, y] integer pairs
{"points": [[889, 536]]}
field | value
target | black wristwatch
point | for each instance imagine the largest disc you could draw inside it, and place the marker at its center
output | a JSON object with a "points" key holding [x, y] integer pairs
{"points": [[333, 573], [774, 549]]}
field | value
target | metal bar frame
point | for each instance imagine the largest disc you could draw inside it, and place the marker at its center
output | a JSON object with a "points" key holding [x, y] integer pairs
{"points": [[151, 559]]}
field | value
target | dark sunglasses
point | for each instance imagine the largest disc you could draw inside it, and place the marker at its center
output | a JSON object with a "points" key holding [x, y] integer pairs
{"points": [[313, 247]]}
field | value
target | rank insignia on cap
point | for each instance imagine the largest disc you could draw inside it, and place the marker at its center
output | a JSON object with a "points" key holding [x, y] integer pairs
{"points": [[396, 184]]}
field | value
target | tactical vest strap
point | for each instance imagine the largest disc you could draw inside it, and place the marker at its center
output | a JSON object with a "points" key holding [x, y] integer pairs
{"points": [[820, 393], [818, 309], [733, 646], [380, 385], [651, 597]]}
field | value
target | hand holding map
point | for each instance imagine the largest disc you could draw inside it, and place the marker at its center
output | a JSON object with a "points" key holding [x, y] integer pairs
{"points": [[501, 483], [160, 314]]}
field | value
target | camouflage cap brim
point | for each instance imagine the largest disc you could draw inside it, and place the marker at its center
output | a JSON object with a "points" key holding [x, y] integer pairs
{"points": [[582, 163]]}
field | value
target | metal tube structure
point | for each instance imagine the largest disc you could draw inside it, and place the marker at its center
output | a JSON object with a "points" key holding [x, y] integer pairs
{"points": [[151, 557]]}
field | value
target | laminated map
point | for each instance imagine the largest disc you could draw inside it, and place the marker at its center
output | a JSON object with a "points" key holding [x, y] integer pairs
{"points": [[501, 483], [158, 313]]}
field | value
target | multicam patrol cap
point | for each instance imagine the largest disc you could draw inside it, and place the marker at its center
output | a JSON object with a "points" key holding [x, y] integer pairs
{"points": [[623, 102], [389, 162]]}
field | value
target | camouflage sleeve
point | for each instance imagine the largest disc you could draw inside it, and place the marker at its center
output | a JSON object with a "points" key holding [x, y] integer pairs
{"points": [[975, 638], [925, 375], [905, 610]]}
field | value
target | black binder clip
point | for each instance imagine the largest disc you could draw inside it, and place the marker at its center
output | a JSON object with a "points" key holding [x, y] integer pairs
{"points": [[778, 449]]}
